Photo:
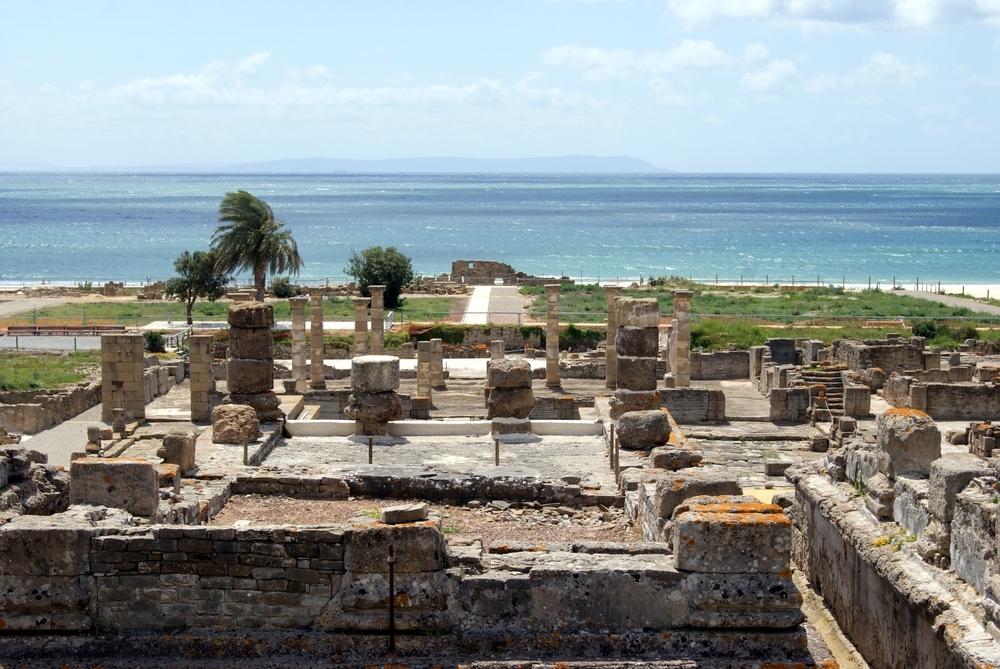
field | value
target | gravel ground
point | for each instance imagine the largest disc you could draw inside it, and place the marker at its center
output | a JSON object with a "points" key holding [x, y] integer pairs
{"points": [[490, 522]]}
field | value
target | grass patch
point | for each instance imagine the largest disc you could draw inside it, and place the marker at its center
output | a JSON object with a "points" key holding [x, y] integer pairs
{"points": [[32, 370]]}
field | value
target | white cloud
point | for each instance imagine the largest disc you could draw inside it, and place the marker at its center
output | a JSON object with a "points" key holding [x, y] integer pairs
{"points": [[87, 85], [896, 13], [251, 64], [882, 69], [604, 64], [755, 51], [774, 75]]}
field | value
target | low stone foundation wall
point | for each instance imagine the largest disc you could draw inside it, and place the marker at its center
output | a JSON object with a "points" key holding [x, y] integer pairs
{"points": [[720, 365], [944, 401], [35, 410], [694, 405]]}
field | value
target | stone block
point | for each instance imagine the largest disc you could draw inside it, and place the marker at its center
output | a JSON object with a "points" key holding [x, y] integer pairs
{"points": [[251, 343], [265, 405], [642, 429], [510, 403], [672, 458], [744, 601], [249, 376], [673, 489], [639, 313], [641, 342], [179, 449], [251, 315], [508, 373], [234, 424], [404, 513], [122, 483], [623, 401], [369, 407], [733, 539], [30, 546], [906, 441], [505, 426], [374, 373], [776, 467], [947, 479], [418, 548], [636, 373]]}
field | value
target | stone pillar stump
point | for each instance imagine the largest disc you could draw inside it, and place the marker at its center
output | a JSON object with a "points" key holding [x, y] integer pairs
{"points": [[360, 325], [316, 353], [378, 319], [552, 336], [300, 351]]}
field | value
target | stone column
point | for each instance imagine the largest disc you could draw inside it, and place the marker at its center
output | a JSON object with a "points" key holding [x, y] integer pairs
{"points": [[300, 352], [437, 364], [378, 319], [552, 336], [496, 350], [201, 381], [610, 369], [681, 363], [636, 346], [360, 325], [424, 355], [316, 379], [510, 400], [373, 401], [250, 368], [122, 383]]}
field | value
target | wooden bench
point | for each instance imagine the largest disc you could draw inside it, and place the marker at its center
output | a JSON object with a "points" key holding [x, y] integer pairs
{"points": [[64, 330]]}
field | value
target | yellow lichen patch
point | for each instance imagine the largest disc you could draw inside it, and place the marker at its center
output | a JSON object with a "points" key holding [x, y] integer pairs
{"points": [[739, 507], [903, 411]]}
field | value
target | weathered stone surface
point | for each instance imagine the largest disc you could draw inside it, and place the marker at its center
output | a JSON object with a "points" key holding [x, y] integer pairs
{"points": [[744, 600], [122, 483], [502, 426], [374, 407], [404, 513], [265, 404], [675, 488], [623, 401], [510, 403], [639, 313], [418, 549], [906, 441], [251, 343], [734, 502], [179, 449], [643, 342], [947, 479], [733, 539], [636, 373], [250, 315], [249, 376], [374, 373], [508, 373], [234, 424], [642, 429], [672, 458]]}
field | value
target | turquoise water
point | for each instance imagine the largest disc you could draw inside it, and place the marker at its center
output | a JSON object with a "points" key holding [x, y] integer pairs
{"points": [[77, 227]]}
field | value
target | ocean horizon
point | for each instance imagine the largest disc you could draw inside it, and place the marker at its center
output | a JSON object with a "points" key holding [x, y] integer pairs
{"points": [[818, 228]]}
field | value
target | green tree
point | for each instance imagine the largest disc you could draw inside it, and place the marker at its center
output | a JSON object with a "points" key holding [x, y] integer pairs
{"points": [[253, 240], [199, 277], [377, 266]]}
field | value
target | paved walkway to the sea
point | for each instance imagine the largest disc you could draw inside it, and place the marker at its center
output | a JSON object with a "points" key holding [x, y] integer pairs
{"points": [[27, 304], [493, 304], [952, 301]]}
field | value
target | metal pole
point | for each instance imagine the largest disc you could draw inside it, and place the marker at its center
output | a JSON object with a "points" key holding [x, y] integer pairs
{"points": [[244, 452], [618, 462], [369, 450], [496, 451], [392, 599], [611, 448]]}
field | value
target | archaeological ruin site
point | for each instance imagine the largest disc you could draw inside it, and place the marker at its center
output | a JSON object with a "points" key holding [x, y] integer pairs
{"points": [[499, 502]]}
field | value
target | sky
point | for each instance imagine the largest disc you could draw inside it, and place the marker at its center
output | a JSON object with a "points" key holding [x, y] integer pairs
{"points": [[688, 85]]}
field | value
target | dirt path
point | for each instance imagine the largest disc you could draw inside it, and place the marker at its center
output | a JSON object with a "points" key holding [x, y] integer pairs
{"points": [[27, 304], [952, 301]]}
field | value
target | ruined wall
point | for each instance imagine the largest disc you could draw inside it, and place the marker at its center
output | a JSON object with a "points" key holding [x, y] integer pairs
{"points": [[35, 410], [720, 365], [694, 405], [889, 355], [484, 272], [944, 401]]}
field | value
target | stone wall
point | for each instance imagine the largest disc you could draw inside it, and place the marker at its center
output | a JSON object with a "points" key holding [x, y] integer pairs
{"points": [[35, 410], [720, 365], [485, 272], [944, 401], [889, 355], [694, 405]]}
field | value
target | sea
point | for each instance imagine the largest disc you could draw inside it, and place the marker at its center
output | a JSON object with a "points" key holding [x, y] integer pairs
{"points": [[827, 229]]}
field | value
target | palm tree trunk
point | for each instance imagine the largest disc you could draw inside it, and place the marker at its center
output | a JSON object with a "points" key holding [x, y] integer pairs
{"points": [[259, 274]]}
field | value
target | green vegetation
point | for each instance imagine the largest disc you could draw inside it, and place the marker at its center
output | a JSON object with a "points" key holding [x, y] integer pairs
{"points": [[197, 277], [283, 288], [153, 342], [252, 240], [31, 370], [377, 266]]}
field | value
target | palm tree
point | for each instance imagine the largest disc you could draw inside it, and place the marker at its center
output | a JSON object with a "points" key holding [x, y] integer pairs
{"points": [[253, 240]]}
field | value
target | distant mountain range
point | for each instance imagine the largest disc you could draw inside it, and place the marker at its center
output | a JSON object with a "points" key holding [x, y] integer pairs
{"points": [[549, 165]]}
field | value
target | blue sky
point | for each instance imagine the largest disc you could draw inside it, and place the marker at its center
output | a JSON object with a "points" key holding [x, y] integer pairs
{"points": [[691, 85]]}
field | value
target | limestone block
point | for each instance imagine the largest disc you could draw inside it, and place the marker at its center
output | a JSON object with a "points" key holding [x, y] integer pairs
{"points": [[736, 502], [755, 539], [418, 549], [672, 490], [234, 424], [672, 458], [510, 403], [122, 483], [33, 546], [947, 479], [508, 373], [404, 513], [251, 315], [744, 601], [250, 376], [267, 405], [638, 312], [373, 407], [909, 504], [622, 401], [642, 342], [251, 343], [907, 441], [636, 373], [179, 449], [642, 429], [375, 373], [502, 426], [880, 496]]}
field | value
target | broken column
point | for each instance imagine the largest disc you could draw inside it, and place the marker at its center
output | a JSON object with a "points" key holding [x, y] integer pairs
{"points": [[636, 345], [360, 325], [201, 381], [496, 349], [680, 358], [250, 368], [122, 368], [552, 336], [424, 369], [300, 370], [510, 400], [373, 401], [316, 352], [378, 319], [610, 357], [437, 364]]}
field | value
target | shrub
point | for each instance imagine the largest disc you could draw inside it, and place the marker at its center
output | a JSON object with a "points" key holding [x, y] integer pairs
{"points": [[377, 266], [153, 342], [574, 338], [283, 288]]}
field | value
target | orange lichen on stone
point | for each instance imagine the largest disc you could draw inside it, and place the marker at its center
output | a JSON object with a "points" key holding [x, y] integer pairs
{"points": [[903, 411], [742, 507], [738, 518]]}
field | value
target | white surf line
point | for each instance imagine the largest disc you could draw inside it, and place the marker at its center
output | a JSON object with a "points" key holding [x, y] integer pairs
{"points": [[477, 310]]}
